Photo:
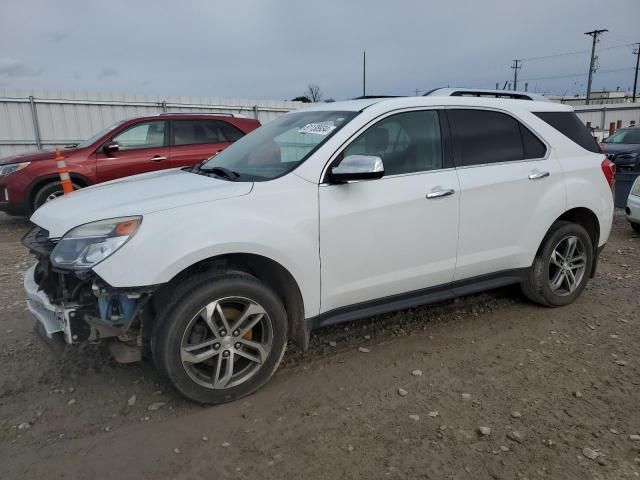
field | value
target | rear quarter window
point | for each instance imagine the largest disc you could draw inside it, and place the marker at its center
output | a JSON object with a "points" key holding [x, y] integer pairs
{"points": [[571, 127]]}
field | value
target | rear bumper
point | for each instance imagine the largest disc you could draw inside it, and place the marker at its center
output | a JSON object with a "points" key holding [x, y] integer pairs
{"points": [[633, 209]]}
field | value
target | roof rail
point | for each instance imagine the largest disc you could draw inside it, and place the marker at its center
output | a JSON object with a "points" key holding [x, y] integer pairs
{"points": [[477, 92], [199, 113]]}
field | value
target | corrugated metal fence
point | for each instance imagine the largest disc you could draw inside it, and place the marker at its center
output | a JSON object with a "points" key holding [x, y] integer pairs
{"points": [[600, 117], [39, 119]]}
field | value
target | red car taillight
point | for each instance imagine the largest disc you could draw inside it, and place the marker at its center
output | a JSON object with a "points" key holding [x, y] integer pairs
{"points": [[609, 170]]}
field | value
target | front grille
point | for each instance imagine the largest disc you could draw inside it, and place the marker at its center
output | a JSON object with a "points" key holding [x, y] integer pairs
{"points": [[38, 242]]}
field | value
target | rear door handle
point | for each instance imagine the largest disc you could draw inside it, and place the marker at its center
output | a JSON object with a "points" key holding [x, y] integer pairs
{"points": [[158, 158], [440, 193], [537, 175]]}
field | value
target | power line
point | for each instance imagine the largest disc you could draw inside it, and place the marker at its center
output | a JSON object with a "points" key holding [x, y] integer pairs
{"points": [[578, 52], [556, 77]]}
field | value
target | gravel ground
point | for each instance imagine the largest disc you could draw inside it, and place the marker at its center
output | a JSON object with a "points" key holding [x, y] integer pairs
{"points": [[488, 386]]}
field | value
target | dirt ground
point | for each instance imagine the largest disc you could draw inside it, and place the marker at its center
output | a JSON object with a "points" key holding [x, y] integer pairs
{"points": [[559, 390]]}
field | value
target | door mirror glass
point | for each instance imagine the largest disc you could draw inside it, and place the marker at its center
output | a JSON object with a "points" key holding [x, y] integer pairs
{"points": [[358, 167], [111, 147]]}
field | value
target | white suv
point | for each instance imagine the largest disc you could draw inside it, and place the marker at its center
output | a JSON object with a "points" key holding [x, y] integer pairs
{"points": [[336, 212]]}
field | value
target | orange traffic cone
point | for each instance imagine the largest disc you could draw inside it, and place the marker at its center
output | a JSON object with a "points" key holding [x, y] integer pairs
{"points": [[65, 180]]}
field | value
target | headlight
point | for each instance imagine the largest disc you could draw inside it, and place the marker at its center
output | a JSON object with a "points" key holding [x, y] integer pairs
{"points": [[12, 168], [83, 247], [636, 187]]}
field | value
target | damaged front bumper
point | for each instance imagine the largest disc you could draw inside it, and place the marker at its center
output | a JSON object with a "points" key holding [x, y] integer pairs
{"points": [[80, 306], [50, 317]]}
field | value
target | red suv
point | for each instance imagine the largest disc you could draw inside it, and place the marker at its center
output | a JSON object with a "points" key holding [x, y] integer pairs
{"points": [[138, 145]]}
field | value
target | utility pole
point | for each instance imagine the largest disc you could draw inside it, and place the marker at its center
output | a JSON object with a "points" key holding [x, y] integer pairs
{"points": [[635, 78], [364, 73], [595, 34], [517, 65]]}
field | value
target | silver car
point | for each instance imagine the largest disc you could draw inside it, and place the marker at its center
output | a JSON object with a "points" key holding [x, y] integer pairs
{"points": [[633, 206]]}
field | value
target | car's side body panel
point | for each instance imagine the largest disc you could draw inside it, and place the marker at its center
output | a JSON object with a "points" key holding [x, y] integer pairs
{"points": [[384, 237], [171, 241], [504, 214]]}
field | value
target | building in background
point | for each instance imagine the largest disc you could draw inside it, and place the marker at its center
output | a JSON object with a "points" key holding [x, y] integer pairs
{"points": [[597, 98]]}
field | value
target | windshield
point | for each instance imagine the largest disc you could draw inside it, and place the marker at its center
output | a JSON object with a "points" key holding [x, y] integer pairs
{"points": [[279, 146], [625, 136], [89, 141]]}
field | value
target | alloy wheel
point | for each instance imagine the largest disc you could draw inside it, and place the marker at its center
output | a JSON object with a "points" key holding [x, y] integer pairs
{"points": [[226, 342], [567, 265]]}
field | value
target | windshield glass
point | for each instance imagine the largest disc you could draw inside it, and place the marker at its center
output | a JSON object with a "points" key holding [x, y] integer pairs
{"points": [[89, 141], [625, 136], [279, 146]]}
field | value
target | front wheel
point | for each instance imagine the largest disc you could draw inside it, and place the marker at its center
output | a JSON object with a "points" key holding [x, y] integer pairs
{"points": [[635, 226], [222, 339], [561, 267], [49, 192]]}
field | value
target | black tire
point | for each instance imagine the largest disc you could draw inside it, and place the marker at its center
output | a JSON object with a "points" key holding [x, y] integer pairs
{"points": [[537, 287], [190, 298], [635, 226], [44, 192]]}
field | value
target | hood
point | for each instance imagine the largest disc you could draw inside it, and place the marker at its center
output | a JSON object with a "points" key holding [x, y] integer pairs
{"points": [[36, 156], [136, 195], [613, 148]]}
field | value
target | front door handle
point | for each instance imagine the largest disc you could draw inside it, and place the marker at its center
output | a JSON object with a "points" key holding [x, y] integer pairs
{"points": [[537, 175], [158, 158], [440, 193]]}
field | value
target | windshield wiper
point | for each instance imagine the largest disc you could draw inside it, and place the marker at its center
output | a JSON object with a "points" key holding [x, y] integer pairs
{"points": [[222, 172]]}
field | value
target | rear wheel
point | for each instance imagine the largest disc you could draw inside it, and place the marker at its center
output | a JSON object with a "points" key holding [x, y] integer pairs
{"points": [[48, 192], [221, 339], [635, 226], [562, 265]]}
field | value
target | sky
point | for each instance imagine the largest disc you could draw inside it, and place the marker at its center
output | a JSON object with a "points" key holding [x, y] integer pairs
{"points": [[273, 49]]}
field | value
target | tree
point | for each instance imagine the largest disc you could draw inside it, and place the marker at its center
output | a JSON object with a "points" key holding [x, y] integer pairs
{"points": [[314, 92], [301, 98]]}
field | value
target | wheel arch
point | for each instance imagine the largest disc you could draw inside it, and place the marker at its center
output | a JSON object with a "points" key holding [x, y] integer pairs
{"points": [[267, 270], [587, 219], [36, 185]]}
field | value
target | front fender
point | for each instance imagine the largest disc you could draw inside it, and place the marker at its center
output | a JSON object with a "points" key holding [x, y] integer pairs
{"points": [[281, 225]]}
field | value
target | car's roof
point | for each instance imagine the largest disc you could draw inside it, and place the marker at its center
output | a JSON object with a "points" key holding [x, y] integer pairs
{"points": [[407, 102], [187, 115]]}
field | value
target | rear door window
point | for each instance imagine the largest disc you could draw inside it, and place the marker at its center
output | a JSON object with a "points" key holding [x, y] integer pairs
{"points": [[483, 136], [571, 127], [193, 132]]}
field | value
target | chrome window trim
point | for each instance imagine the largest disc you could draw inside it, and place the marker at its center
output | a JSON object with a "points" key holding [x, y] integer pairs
{"points": [[398, 175]]}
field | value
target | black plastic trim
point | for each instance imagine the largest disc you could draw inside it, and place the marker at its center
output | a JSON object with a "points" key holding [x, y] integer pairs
{"points": [[418, 297]]}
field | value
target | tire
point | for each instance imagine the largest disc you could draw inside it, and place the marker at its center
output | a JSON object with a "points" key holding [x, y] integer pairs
{"points": [[635, 226], [180, 332], [47, 192], [541, 285]]}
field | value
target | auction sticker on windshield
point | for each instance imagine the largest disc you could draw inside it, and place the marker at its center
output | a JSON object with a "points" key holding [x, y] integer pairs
{"points": [[320, 128]]}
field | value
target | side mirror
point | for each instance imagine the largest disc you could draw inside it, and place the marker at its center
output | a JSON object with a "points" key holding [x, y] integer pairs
{"points": [[110, 147], [357, 167]]}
